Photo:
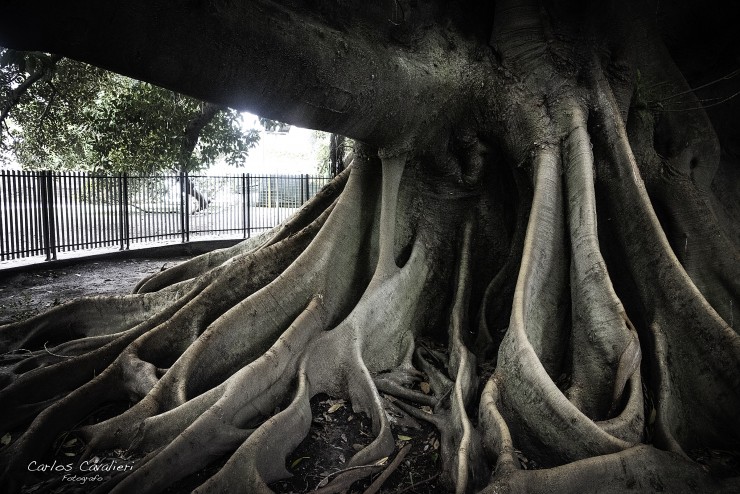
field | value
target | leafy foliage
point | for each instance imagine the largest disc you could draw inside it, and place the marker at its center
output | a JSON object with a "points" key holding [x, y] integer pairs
{"points": [[77, 116]]}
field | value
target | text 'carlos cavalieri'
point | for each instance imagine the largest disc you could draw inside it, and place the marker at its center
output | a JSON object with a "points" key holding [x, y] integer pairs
{"points": [[88, 469]]}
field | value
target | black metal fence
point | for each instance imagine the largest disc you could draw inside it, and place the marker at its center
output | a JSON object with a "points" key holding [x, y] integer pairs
{"points": [[44, 213]]}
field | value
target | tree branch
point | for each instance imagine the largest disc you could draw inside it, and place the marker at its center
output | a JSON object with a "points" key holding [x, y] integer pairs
{"points": [[276, 61], [192, 132], [15, 95]]}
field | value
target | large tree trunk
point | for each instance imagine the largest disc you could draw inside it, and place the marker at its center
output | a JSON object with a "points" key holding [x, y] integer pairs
{"points": [[519, 196]]}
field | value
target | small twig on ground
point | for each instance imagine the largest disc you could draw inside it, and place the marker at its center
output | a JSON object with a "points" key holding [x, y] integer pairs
{"points": [[375, 486], [414, 486], [345, 478], [55, 354]]}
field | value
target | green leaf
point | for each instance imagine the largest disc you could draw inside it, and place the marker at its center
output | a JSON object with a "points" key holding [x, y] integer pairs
{"points": [[298, 460], [404, 438]]}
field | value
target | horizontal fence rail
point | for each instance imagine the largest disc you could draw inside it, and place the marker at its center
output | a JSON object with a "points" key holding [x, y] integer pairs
{"points": [[43, 213]]}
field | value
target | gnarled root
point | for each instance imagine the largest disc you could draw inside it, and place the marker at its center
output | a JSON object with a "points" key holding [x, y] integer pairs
{"points": [[214, 363]]}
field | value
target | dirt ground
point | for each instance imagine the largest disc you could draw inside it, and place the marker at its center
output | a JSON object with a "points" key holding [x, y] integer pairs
{"points": [[336, 431], [25, 294]]}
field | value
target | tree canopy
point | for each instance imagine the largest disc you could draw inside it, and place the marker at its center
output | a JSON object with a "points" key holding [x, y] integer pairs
{"points": [[60, 113]]}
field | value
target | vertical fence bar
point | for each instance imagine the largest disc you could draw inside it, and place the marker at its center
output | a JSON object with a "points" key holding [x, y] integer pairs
{"points": [[20, 211], [84, 210], [92, 217], [247, 224], [58, 211], [308, 188], [187, 207], [52, 214], [111, 189], [172, 206], [139, 191], [14, 212], [5, 244], [81, 210], [56, 222], [62, 224], [30, 215], [109, 227], [71, 210], [45, 215], [183, 200], [28, 244], [79, 226], [143, 208], [89, 195], [121, 221], [34, 241], [67, 226], [127, 227], [38, 213], [110, 224], [167, 205], [7, 249], [88, 221], [3, 231], [156, 217]]}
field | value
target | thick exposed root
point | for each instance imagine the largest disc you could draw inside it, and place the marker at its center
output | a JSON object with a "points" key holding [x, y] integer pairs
{"points": [[638, 469], [532, 404], [85, 317], [215, 362], [141, 354], [605, 352], [339, 362], [696, 396]]}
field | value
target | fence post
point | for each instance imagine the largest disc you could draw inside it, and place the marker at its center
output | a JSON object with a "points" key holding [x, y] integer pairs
{"points": [[183, 200], [4, 230], [249, 205], [44, 214], [245, 190], [121, 220], [308, 189], [126, 201], [188, 187], [121, 240], [184, 206], [52, 214]]}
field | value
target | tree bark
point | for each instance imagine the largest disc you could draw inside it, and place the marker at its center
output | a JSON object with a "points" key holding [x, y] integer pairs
{"points": [[336, 154], [520, 216], [189, 140]]}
